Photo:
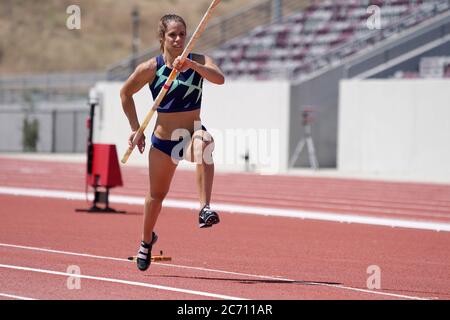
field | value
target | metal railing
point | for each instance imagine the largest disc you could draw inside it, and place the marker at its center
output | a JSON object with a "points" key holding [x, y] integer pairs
{"points": [[14, 88], [50, 80]]}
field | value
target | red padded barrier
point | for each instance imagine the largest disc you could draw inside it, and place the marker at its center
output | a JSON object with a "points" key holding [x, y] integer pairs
{"points": [[105, 167]]}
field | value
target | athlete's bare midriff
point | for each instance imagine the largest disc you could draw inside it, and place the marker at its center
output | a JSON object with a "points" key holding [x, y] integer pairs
{"points": [[167, 123]]}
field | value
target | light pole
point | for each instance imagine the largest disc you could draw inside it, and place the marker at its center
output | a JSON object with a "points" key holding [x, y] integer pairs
{"points": [[277, 12], [135, 40]]}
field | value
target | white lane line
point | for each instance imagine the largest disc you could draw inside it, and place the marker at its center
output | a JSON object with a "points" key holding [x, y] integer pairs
{"points": [[63, 252], [338, 286], [131, 283], [219, 271], [330, 217], [128, 261], [15, 297]]}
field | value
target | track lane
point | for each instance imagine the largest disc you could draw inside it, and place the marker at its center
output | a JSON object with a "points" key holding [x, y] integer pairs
{"points": [[346, 196], [291, 248]]}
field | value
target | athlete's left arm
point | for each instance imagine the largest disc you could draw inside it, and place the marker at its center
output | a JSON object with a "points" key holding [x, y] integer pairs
{"points": [[204, 65]]}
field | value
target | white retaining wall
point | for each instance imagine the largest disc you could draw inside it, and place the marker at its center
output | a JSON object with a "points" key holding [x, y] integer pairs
{"points": [[395, 127], [239, 115]]}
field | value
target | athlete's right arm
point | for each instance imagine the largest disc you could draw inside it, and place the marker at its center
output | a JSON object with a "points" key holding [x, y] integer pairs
{"points": [[144, 73]]}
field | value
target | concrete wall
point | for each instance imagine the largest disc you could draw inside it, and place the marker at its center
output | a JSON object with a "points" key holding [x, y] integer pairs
{"points": [[395, 127], [240, 115], [321, 95], [60, 131], [413, 63], [11, 131], [320, 91]]}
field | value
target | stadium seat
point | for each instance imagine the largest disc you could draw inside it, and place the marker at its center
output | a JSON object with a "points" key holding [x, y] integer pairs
{"points": [[268, 51]]}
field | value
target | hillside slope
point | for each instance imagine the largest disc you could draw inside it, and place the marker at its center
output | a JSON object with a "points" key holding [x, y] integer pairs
{"points": [[34, 37]]}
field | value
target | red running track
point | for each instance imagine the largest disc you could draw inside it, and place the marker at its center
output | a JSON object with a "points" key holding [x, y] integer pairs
{"points": [[245, 256]]}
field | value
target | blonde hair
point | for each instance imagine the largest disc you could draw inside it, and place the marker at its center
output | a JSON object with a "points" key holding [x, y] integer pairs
{"points": [[162, 26]]}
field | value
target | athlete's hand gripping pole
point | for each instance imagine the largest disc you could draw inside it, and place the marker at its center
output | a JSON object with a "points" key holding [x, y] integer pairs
{"points": [[170, 79]]}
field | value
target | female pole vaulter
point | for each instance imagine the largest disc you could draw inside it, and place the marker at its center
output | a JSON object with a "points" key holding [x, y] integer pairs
{"points": [[179, 109]]}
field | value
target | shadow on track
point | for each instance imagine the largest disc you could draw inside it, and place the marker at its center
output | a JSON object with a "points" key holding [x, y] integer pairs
{"points": [[254, 281]]}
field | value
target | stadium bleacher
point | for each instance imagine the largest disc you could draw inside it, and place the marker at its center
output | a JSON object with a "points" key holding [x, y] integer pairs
{"points": [[287, 49]]}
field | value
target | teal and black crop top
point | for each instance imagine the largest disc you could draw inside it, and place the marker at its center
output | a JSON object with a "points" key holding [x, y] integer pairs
{"points": [[185, 93]]}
